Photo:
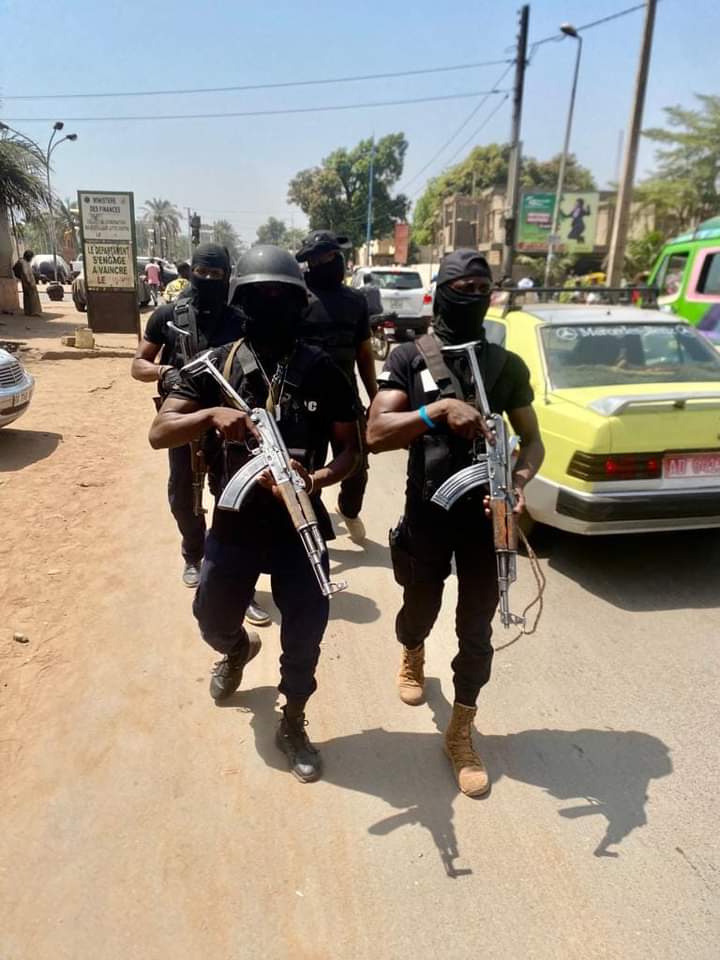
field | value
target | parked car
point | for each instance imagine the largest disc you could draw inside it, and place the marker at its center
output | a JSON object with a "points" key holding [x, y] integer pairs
{"points": [[76, 266], [16, 388], [628, 402], [402, 294], [79, 292], [43, 268]]}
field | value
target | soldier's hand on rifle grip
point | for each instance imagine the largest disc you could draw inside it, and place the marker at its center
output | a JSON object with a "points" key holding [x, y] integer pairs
{"points": [[233, 425], [517, 509], [466, 421], [266, 479]]}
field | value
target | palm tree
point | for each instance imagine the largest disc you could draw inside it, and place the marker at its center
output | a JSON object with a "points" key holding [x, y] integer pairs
{"points": [[22, 191], [164, 217]]}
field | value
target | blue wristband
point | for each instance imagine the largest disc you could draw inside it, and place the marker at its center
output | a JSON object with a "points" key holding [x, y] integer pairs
{"points": [[425, 418]]}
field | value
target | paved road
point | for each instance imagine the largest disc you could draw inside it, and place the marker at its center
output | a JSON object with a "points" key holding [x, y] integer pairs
{"points": [[139, 820]]}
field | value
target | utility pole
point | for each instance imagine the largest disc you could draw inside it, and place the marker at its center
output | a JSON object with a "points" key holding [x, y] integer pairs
{"points": [[616, 258], [512, 201], [371, 175], [189, 238]]}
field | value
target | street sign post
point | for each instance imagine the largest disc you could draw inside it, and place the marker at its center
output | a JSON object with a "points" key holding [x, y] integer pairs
{"points": [[107, 227]]}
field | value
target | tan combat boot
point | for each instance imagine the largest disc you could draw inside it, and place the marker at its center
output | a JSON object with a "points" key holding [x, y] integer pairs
{"points": [[470, 772], [411, 677]]}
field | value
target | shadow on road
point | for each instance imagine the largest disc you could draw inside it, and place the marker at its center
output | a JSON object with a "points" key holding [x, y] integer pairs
{"points": [[18, 326], [658, 571], [20, 448], [372, 554], [609, 770]]}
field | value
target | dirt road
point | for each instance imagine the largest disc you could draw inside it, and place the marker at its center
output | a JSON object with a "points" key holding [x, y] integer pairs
{"points": [[140, 821]]}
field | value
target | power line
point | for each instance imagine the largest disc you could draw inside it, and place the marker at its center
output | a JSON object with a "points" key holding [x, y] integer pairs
{"points": [[459, 130], [472, 137], [254, 86], [586, 26], [257, 113]]}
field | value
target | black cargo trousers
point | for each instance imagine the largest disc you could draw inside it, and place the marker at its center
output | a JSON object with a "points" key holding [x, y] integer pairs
{"points": [[352, 488], [180, 497], [422, 548]]}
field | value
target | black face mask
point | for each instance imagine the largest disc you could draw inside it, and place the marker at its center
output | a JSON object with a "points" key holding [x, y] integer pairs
{"points": [[326, 275], [209, 295], [272, 322], [459, 316]]}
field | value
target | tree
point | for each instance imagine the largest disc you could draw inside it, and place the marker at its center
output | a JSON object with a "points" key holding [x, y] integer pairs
{"points": [[278, 233], [335, 194], [23, 193], [682, 189], [485, 167], [640, 254], [225, 234], [164, 217]]}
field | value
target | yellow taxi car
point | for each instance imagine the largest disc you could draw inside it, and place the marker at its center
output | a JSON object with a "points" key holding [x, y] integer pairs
{"points": [[629, 407]]}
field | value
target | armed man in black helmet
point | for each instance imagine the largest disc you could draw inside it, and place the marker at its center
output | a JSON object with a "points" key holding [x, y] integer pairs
{"points": [[338, 320], [205, 318], [424, 404], [313, 406]]}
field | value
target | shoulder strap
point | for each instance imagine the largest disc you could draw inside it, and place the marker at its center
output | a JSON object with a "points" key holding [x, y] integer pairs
{"points": [[440, 372], [230, 358], [186, 319]]}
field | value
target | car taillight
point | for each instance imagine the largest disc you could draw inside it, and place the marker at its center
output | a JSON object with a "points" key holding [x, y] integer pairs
{"points": [[597, 467], [427, 299]]}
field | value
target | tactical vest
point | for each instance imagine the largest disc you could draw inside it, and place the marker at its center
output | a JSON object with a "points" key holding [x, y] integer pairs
{"points": [[336, 335], [440, 453], [302, 437], [185, 318]]}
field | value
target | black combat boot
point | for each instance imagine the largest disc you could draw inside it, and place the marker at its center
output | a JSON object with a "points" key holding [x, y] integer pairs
{"points": [[304, 759], [227, 673]]}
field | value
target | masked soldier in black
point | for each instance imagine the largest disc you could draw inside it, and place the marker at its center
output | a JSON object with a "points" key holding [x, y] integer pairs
{"points": [[338, 321], [202, 311], [314, 407], [424, 404]]}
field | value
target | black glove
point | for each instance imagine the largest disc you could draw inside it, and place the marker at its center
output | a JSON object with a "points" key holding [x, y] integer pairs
{"points": [[169, 379]]}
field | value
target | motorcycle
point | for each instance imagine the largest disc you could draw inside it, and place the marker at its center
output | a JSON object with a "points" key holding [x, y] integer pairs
{"points": [[383, 332]]}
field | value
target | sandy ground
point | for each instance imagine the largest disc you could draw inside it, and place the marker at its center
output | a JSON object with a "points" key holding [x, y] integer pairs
{"points": [[140, 821]]}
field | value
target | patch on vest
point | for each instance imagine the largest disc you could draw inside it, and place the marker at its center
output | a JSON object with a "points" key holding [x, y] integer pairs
{"points": [[311, 406], [427, 382]]}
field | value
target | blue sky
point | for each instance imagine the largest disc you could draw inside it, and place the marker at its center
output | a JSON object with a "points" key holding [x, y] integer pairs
{"points": [[239, 168]]}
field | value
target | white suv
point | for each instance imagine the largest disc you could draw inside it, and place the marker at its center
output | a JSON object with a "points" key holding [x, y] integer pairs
{"points": [[402, 293]]}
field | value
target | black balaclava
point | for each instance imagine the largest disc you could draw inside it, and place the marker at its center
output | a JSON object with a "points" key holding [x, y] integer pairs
{"points": [[458, 317], [210, 295], [325, 276], [273, 315]]}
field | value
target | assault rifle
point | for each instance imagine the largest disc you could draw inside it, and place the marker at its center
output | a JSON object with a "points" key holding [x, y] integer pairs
{"points": [[492, 466], [198, 464], [270, 453]]}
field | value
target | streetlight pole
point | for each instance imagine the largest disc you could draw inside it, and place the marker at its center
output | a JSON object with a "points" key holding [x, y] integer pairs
{"points": [[569, 30], [50, 148], [371, 175]]}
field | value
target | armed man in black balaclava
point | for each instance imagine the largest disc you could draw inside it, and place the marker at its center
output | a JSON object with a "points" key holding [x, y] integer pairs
{"points": [[203, 313], [338, 321], [423, 403], [314, 406]]}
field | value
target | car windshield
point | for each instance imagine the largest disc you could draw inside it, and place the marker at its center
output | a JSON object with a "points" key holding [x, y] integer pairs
{"points": [[598, 355], [392, 280]]}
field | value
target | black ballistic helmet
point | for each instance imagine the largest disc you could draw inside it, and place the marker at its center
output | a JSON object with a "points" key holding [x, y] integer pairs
{"points": [[266, 263]]}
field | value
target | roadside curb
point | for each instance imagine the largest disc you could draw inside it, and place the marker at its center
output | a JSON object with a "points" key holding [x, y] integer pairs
{"points": [[73, 354]]}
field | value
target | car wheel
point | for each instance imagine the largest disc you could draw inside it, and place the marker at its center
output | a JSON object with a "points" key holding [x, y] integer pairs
{"points": [[80, 307]]}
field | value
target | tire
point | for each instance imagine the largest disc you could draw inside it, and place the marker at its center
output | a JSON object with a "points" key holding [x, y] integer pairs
{"points": [[80, 307], [380, 347]]}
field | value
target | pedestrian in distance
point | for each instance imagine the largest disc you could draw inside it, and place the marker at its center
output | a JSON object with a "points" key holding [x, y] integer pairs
{"points": [[24, 273], [181, 283], [372, 294], [152, 276], [313, 406], [338, 320], [209, 322], [424, 403]]}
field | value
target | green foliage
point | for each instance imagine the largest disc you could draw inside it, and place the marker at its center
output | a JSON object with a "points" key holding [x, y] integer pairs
{"points": [[22, 178], [640, 254], [488, 167], [226, 234], [277, 232], [334, 195], [165, 218], [682, 189]]}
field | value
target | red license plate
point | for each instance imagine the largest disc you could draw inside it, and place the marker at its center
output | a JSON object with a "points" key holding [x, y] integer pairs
{"points": [[691, 465]]}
